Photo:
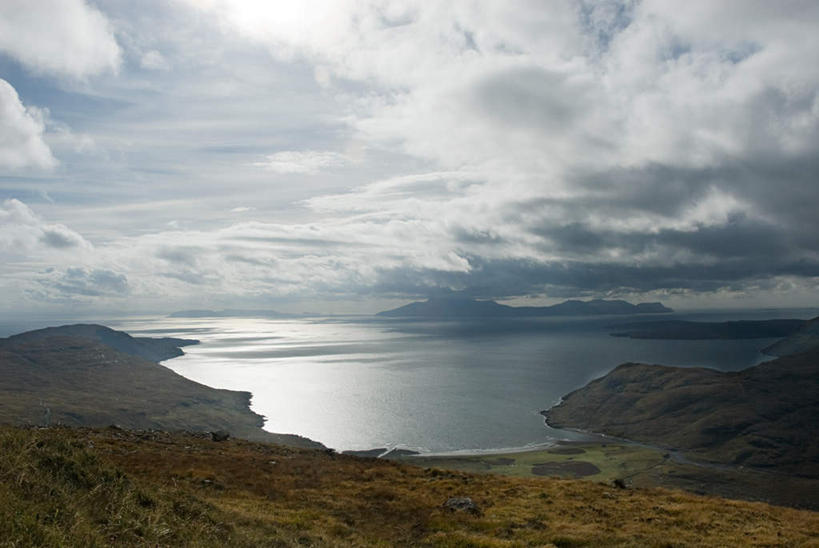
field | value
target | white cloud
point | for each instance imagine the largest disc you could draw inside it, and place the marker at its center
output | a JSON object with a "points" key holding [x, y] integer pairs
{"points": [[523, 89], [21, 133], [154, 60], [59, 37], [528, 133], [23, 232], [307, 162]]}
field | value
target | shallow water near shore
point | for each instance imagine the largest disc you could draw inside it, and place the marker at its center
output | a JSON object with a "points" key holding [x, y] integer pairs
{"points": [[364, 382]]}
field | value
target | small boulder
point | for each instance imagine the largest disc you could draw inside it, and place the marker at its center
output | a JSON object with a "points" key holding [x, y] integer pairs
{"points": [[461, 504], [219, 435], [621, 483]]}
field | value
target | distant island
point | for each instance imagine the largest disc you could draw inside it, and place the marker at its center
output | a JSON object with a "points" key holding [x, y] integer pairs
{"points": [[764, 416], [463, 307], [686, 330], [91, 375]]}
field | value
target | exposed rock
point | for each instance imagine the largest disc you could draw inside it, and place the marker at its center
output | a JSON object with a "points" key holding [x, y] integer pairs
{"points": [[620, 483], [461, 504], [219, 435]]}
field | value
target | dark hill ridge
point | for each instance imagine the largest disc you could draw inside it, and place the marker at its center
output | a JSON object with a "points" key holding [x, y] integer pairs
{"points": [[460, 307], [151, 349], [803, 340], [764, 416], [90, 375], [686, 330]]}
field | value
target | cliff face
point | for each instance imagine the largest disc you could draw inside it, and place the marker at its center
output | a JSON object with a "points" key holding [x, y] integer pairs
{"points": [[764, 416], [90, 375]]}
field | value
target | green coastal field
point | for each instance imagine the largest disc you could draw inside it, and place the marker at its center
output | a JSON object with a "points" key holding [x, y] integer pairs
{"points": [[633, 465]]}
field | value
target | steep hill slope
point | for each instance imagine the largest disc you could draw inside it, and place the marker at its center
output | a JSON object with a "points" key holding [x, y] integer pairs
{"points": [[89, 375], [765, 416], [803, 340]]}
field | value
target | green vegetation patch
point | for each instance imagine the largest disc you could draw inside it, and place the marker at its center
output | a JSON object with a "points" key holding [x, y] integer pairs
{"points": [[603, 462]]}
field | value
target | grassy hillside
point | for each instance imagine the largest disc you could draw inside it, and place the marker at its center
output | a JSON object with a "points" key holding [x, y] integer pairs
{"points": [[80, 487], [74, 376], [804, 340], [765, 416]]}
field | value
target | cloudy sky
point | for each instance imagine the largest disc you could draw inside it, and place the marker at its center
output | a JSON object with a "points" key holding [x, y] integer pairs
{"points": [[346, 155]]}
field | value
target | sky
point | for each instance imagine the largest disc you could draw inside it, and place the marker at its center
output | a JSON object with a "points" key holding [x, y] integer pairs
{"points": [[349, 156]]}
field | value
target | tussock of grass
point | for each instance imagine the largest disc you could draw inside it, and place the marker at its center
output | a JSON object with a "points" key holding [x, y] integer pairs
{"points": [[55, 491], [98, 487]]}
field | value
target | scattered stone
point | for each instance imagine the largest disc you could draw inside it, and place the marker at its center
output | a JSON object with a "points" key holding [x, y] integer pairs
{"points": [[219, 435], [620, 483], [212, 484], [462, 504]]}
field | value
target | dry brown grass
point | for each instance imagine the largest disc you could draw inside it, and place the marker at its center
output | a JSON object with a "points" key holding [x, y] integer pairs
{"points": [[95, 487]]}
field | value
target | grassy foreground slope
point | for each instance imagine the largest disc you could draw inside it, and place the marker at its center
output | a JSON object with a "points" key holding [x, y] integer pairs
{"points": [[80, 487]]}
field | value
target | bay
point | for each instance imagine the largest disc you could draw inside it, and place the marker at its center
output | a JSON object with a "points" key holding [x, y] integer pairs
{"points": [[364, 382]]}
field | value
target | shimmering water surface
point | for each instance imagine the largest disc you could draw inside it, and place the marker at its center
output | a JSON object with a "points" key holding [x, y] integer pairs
{"points": [[355, 383]]}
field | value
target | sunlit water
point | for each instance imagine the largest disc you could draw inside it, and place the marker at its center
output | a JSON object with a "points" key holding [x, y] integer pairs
{"points": [[358, 383], [355, 383]]}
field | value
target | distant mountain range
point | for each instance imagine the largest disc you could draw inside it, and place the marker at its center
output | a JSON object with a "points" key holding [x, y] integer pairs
{"points": [[457, 307], [90, 375]]}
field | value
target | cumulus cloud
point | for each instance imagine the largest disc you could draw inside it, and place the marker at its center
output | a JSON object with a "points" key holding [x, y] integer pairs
{"points": [[502, 149], [21, 133], [22, 231], [59, 37], [306, 162]]}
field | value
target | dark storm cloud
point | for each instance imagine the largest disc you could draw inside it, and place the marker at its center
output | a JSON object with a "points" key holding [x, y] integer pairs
{"points": [[513, 278]]}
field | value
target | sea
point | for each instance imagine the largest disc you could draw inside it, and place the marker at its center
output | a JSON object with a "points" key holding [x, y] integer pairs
{"points": [[362, 382]]}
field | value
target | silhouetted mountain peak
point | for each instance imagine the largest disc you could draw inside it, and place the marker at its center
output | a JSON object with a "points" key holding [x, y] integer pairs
{"points": [[465, 307]]}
